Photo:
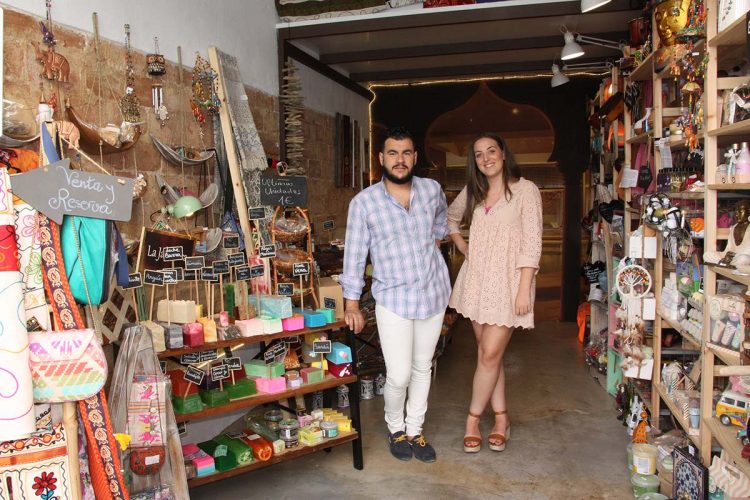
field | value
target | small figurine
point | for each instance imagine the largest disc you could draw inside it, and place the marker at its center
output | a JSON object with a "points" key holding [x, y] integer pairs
{"points": [[635, 406], [622, 402], [643, 427], [56, 67]]}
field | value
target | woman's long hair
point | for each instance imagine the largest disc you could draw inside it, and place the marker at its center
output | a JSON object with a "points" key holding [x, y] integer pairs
{"points": [[477, 184]]}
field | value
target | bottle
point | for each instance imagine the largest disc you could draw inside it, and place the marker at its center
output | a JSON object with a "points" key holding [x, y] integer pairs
{"points": [[743, 164]]}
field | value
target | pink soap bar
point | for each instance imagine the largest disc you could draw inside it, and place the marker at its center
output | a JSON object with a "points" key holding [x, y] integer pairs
{"points": [[304, 419], [270, 385], [250, 327], [210, 334], [189, 449], [296, 322], [192, 334]]}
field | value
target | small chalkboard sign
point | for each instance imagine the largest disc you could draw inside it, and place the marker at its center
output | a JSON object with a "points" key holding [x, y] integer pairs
{"points": [[279, 348], [257, 271], [329, 225], [173, 253], [321, 346], [170, 276], [194, 263], [191, 275], [291, 340], [257, 213], [288, 190], [267, 251], [134, 281], [180, 273], [221, 266], [219, 372], [285, 289], [153, 277], [163, 366], [231, 240], [234, 363], [194, 375], [236, 259], [181, 428], [235, 435], [208, 274], [209, 355], [329, 303], [190, 358], [301, 269], [269, 356], [242, 273]]}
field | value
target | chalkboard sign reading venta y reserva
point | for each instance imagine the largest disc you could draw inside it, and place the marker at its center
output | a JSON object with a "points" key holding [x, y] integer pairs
{"points": [[290, 191]]}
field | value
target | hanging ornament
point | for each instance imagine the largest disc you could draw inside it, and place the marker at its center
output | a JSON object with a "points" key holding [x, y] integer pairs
{"points": [[157, 101], [156, 65], [129, 105], [205, 91], [55, 66], [292, 103]]}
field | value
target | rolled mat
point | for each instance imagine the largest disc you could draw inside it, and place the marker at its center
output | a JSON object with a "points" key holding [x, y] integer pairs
{"points": [[242, 451], [226, 460], [262, 449]]}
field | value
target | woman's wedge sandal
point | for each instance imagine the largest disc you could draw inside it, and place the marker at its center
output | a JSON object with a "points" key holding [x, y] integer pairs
{"points": [[497, 441], [472, 444]]}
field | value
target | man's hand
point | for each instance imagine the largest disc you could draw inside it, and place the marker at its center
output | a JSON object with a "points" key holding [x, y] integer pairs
{"points": [[353, 316]]}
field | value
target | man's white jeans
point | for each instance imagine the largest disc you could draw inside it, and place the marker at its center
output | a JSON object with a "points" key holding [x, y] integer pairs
{"points": [[408, 347]]}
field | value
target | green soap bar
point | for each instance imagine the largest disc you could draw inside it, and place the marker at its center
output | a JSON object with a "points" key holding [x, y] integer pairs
{"points": [[242, 451], [315, 376], [257, 368], [330, 314], [190, 404], [215, 397], [226, 460], [276, 369], [241, 388]]}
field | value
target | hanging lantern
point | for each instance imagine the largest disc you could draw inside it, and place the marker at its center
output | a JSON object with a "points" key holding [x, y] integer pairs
{"points": [[156, 65]]}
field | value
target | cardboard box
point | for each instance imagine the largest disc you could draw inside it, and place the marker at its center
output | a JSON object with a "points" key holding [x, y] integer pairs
{"points": [[331, 290]]}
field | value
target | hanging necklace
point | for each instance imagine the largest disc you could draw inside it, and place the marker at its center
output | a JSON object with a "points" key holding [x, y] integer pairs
{"points": [[129, 105]]}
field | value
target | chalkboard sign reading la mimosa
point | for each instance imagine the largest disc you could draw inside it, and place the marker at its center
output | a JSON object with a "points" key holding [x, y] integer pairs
{"points": [[160, 248]]}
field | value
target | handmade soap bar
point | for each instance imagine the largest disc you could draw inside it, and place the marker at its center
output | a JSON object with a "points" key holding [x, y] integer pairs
{"points": [[320, 365], [310, 435], [172, 332], [278, 446], [192, 334], [210, 333], [241, 388], [262, 449], [157, 335], [257, 368], [312, 375], [270, 385], [203, 462], [313, 319], [229, 332], [176, 311], [304, 419], [175, 341], [215, 397], [342, 370], [249, 327], [224, 458], [189, 404], [330, 314], [242, 451], [340, 353], [271, 325], [180, 386], [277, 306], [276, 369], [293, 323]]}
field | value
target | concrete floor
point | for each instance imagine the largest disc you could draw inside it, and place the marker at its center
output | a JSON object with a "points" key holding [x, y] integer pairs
{"points": [[566, 442]]}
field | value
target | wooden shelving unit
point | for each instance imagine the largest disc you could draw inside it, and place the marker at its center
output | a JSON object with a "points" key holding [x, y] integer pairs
{"points": [[676, 412], [676, 326], [727, 439]]}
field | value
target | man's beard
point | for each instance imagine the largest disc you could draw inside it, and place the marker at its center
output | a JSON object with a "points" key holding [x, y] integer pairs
{"points": [[398, 180]]}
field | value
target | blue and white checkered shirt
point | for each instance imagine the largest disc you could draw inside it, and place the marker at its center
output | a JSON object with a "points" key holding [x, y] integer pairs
{"points": [[410, 277]]}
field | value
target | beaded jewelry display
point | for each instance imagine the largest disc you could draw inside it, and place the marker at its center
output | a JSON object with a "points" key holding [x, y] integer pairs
{"points": [[205, 92], [129, 105]]}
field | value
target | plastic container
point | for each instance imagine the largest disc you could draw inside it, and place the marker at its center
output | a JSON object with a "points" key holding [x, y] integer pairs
{"points": [[644, 459], [330, 429], [272, 418], [289, 432], [629, 451], [644, 483]]}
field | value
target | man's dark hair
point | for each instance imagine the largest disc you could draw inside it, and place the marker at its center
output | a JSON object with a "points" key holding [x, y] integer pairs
{"points": [[397, 133]]}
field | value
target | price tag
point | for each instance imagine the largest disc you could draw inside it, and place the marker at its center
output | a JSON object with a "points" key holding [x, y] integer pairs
{"points": [[301, 269], [219, 372], [328, 225], [267, 251], [195, 263], [194, 375], [153, 278], [170, 276], [256, 271], [209, 355], [329, 303], [181, 428], [191, 275], [234, 363], [163, 366], [173, 253], [235, 435], [221, 267], [257, 213], [269, 356], [292, 340], [231, 240], [208, 274], [134, 281], [190, 358], [242, 273], [321, 346], [220, 451], [279, 349], [236, 259], [285, 289], [180, 273]]}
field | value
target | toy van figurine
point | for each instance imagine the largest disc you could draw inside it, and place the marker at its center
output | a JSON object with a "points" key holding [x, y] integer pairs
{"points": [[732, 408]]}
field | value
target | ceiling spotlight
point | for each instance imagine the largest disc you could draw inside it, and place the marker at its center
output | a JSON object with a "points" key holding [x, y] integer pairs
{"points": [[588, 5], [558, 78], [571, 50]]}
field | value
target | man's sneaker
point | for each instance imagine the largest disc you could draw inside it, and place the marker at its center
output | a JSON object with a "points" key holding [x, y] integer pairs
{"points": [[422, 450], [400, 447]]}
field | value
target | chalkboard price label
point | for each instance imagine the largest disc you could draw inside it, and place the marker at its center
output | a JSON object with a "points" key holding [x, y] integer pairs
{"points": [[321, 346], [134, 281], [194, 375], [209, 355], [191, 275], [267, 251], [236, 259], [232, 240], [190, 358], [163, 366], [173, 253], [257, 271], [279, 349], [329, 303], [234, 363], [301, 269], [285, 289], [208, 274], [195, 263], [170, 276], [153, 277], [269, 356], [242, 273], [328, 225], [221, 266], [288, 190], [181, 428], [219, 372], [180, 273], [257, 213]]}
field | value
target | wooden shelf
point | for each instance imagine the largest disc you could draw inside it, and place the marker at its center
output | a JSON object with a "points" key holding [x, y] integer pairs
{"points": [[643, 71], [734, 34], [676, 326], [728, 273], [728, 356], [291, 454], [259, 399], [169, 353], [686, 195], [730, 186], [676, 412], [727, 438], [727, 134], [640, 138]]}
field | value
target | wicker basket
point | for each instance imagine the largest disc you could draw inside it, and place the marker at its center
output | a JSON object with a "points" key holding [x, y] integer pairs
{"points": [[281, 233], [286, 258], [307, 294]]}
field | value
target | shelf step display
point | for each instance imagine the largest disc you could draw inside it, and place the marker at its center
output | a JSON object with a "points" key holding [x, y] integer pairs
{"points": [[727, 438], [685, 335], [729, 273], [677, 413], [643, 71], [291, 454], [734, 35], [728, 356]]}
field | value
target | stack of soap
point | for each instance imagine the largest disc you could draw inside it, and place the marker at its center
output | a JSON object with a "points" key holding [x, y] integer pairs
{"points": [[192, 334], [249, 327], [210, 334], [215, 397], [241, 450], [313, 319], [240, 388], [312, 375], [176, 311], [277, 306], [229, 332], [344, 423], [276, 369], [180, 386], [330, 314], [310, 435], [271, 324], [340, 359], [270, 385], [188, 404], [257, 368], [293, 323], [172, 334], [224, 458], [204, 464], [157, 335]]}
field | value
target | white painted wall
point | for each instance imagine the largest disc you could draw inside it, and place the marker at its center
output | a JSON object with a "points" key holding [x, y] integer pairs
{"points": [[242, 28], [326, 96]]}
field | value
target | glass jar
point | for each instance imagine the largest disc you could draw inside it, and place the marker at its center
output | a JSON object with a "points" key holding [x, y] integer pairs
{"points": [[289, 432], [330, 429], [272, 418]]}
